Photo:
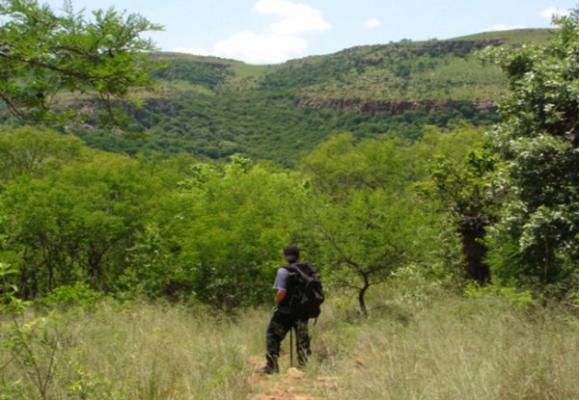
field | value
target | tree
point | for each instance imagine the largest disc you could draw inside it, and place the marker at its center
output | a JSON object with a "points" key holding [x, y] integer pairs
{"points": [[467, 190], [78, 223], [34, 152], [366, 217], [367, 237], [225, 230], [341, 165], [538, 139], [44, 55]]}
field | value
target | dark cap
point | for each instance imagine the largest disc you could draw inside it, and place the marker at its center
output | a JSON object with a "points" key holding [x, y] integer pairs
{"points": [[291, 251]]}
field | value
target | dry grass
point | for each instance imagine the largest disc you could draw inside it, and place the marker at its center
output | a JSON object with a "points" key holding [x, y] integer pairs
{"points": [[461, 349], [139, 352], [452, 349]]}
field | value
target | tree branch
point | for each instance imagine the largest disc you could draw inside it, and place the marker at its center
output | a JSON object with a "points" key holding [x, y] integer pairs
{"points": [[48, 66], [11, 106]]}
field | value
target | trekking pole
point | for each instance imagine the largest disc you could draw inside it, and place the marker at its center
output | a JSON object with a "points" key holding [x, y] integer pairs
{"points": [[292, 347]]}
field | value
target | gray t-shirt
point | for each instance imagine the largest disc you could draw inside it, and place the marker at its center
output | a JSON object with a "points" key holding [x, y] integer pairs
{"points": [[281, 279]]}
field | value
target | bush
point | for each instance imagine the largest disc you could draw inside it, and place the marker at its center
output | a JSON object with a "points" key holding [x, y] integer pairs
{"points": [[79, 294], [512, 295]]}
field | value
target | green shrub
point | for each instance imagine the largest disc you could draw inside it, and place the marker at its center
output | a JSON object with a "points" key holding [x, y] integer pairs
{"points": [[513, 295], [79, 294]]}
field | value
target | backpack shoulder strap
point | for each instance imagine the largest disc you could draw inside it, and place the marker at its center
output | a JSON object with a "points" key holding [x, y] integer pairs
{"points": [[298, 269]]}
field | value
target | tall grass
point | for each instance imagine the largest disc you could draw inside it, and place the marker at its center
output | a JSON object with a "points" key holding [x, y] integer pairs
{"points": [[453, 348], [459, 349], [140, 351]]}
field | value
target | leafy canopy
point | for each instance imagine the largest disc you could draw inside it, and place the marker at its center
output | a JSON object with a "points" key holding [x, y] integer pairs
{"points": [[539, 140], [44, 54]]}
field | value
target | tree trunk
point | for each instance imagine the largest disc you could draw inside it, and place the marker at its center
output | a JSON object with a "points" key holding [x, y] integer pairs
{"points": [[362, 298], [473, 232]]}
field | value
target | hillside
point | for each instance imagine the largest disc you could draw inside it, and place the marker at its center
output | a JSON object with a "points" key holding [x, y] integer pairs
{"points": [[213, 107], [516, 36]]}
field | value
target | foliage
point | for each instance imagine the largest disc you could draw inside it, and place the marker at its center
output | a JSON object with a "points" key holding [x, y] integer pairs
{"points": [[227, 227], [77, 223], [215, 108], [200, 73], [538, 138], [369, 222], [467, 189], [260, 126], [7, 288], [513, 295], [77, 295], [367, 237], [44, 54], [33, 152], [212, 232]]}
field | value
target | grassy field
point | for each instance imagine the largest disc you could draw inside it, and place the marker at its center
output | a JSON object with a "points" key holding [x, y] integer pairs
{"points": [[452, 348]]}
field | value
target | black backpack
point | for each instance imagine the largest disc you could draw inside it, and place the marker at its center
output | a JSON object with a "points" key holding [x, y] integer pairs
{"points": [[306, 291]]}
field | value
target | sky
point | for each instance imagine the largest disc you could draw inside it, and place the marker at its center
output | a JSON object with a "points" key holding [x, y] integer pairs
{"points": [[273, 31]]}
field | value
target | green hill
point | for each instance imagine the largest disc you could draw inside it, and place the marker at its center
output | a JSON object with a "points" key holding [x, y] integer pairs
{"points": [[516, 36], [213, 107]]}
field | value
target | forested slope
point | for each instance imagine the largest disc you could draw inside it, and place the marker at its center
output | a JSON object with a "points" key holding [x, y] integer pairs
{"points": [[214, 108]]}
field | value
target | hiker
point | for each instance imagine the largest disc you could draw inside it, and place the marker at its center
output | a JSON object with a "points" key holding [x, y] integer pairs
{"points": [[298, 298]]}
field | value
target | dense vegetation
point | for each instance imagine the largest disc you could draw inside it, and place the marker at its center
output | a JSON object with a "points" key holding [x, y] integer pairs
{"points": [[179, 226], [214, 108]]}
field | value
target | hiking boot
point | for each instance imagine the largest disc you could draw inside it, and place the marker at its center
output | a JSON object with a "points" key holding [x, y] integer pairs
{"points": [[270, 368]]}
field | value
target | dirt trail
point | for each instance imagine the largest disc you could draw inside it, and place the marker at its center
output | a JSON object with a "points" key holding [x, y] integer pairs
{"points": [[291, 384]]}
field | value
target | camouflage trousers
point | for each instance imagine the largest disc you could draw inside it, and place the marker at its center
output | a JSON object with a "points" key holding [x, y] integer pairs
{"points": [[278, 329]]}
